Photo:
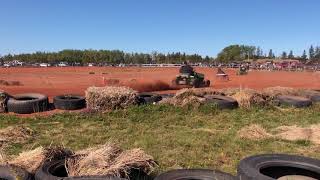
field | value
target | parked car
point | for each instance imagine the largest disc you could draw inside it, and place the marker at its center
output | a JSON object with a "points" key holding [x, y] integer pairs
{"points": [[62, 64], [6, 65]]}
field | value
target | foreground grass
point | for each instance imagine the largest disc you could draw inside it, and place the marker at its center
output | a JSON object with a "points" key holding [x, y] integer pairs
{"points": [[176, 137]]}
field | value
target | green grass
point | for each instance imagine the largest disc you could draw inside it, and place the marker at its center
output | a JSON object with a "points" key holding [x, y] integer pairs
{"points": [[176, 137]]}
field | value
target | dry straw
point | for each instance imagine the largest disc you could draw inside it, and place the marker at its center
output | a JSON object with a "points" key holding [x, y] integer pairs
{"points": [[109, 159], [15, 134], [190, 97], [32, 160], [248, 97], [110, 98], [273, 92], [253, 132]]}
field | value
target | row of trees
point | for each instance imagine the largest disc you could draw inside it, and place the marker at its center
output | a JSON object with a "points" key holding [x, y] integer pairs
{"points": [[228, 54], [105, 56], [243, 52]]}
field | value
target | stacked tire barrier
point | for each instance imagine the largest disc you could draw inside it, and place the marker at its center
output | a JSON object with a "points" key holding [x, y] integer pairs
{"points": [[278, 166], [195, 174], [69, 102], [28, 103], [55, 170], [257, 167]]}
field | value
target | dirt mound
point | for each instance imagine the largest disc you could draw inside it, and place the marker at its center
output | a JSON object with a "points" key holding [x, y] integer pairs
{"points": [[32, 160], [253, 132], [109, 159], [294, 133], [248, 97], [15, 134], [10, 83]]}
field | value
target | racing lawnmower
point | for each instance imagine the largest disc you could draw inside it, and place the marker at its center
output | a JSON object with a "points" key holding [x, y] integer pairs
{"points": [[189, 78]]}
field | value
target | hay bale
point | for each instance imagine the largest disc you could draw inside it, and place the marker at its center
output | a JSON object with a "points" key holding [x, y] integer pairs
{"points": [[15, 134], [248, 97], [274, 92], [110, 98], [253, 132], [199, 92], [229, 91], [190, 97], [32, 160], [109, 159], [29, 160]]}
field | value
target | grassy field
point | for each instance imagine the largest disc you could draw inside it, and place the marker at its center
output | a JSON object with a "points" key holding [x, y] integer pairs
{"points": [[176, 137]]}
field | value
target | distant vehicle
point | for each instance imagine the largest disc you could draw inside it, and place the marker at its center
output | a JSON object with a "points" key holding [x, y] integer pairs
{"points": [[62, 64], [90, 64], [44, 65], [6, 65], [17, 63]]}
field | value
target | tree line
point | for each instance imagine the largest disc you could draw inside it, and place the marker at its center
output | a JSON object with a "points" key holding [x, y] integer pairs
{"points": [[243, 52], [230, 53], [106, 57]]}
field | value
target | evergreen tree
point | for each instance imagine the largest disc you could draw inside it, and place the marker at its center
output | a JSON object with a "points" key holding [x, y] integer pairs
{"points": [[291, 56], [304, 55], [271, 55], [258, 53], [317, 53], [311, 53], [284, 55]]}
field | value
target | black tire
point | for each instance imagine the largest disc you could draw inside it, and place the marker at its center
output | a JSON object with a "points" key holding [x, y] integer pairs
{"points": [[274, 166], [196, 83], [315, 98], [69, 102], [14, 173], [28, 103], [55, 170], [194, 174], [222, 102], [294, 101], [149, 98]]}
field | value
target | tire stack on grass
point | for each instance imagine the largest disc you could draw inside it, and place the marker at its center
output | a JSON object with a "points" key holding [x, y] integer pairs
{"points": [[278, 167], [195, 174], [149, 98], [69, 102], [28, 103]]}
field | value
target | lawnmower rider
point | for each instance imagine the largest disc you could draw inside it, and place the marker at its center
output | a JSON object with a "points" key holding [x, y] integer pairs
{"points": [[186, 69]]}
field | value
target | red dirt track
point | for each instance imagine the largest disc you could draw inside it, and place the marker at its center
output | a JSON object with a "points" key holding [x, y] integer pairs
{"points": [[75, 80]]}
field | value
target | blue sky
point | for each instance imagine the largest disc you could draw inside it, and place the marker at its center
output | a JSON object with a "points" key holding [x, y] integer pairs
{"points": [[192, 26]]}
